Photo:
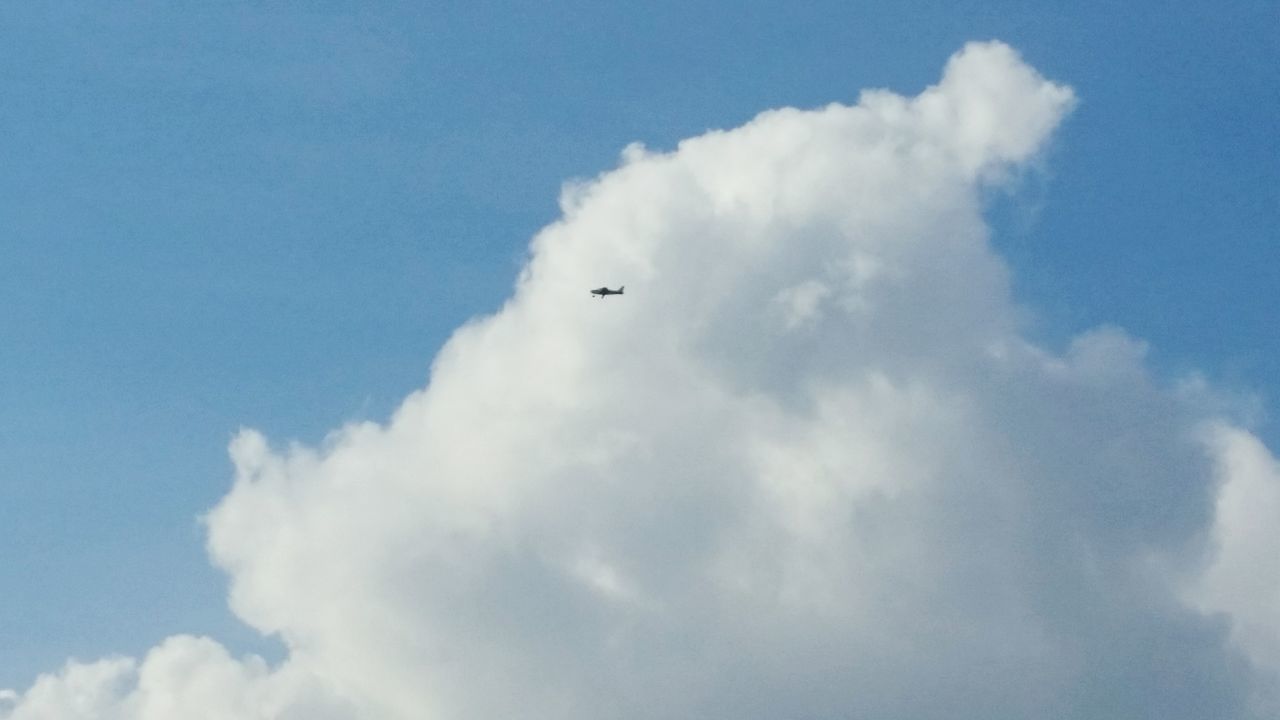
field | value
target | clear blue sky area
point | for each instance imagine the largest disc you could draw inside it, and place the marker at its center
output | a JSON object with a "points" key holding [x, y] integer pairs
{"points": [[215, 215]]}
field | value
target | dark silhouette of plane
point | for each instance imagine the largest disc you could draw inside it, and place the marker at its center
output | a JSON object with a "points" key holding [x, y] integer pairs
{"points": [[603, 291]]}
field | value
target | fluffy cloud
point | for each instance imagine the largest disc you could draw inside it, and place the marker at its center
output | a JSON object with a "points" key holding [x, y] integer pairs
{"points": [[1243, 582], [185, 677], [807, 466]]}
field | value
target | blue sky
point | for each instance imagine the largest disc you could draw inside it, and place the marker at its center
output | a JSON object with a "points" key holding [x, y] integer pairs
{"points": [[272, 216]]}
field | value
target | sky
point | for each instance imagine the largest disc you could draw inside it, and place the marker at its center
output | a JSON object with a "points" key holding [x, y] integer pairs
{"points": [[235, 242]]}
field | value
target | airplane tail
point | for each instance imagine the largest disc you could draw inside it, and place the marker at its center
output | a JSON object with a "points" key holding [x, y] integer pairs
{"points": [[621, 289]]}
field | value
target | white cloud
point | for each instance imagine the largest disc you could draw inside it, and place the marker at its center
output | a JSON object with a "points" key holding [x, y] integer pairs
{"points": [[184, 677], [806, 467], [1243, 582]]}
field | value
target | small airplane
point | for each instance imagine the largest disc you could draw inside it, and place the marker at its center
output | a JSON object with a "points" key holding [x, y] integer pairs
{"points": [[603, 291]]}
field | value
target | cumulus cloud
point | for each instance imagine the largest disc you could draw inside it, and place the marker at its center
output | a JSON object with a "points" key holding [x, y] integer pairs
{"points": [[1243, 583], [807, 467], [184, 677]]}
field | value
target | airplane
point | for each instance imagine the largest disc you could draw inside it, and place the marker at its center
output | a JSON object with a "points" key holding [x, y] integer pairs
{"points": [[603, 291]]}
